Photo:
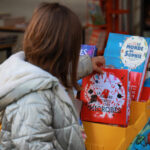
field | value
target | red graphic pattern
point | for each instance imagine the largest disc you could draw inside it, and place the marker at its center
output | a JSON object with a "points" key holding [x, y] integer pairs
{"points": [[105, 97]]}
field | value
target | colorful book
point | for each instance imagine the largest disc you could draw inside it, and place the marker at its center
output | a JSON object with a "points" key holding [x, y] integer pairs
{"points": [[90, 50], [132, 53], [105, 97]]}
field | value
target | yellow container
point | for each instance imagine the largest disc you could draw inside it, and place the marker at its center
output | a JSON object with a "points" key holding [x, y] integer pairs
{"points": [[108, 137]]}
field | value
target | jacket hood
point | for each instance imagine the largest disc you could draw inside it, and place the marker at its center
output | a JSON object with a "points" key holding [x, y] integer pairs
{"points": [[18, 78]]}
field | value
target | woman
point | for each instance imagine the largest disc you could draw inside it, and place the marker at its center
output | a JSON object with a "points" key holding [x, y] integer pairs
{"points": [[38, 111]]}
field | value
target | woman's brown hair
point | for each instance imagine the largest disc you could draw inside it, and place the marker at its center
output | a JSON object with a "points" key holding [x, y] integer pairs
{"points": [[52, 41]]}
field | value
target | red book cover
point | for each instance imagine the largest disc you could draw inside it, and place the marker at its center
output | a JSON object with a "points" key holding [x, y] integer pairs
{"points": [[135, 81], [146, 89], [145, 94], [105, 97]]}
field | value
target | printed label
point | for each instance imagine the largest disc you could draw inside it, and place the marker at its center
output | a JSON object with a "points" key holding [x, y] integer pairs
{"points": [[134, 51], [83, 52]]}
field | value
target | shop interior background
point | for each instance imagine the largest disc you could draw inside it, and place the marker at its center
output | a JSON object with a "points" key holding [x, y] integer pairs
{"points": [[25, 8]]}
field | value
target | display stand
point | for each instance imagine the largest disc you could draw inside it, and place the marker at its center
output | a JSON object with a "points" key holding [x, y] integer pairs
{"points": [[112, 10], [109, 137]]}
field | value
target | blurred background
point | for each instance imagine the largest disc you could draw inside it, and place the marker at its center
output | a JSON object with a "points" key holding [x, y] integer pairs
{"points": [[98, 18]]}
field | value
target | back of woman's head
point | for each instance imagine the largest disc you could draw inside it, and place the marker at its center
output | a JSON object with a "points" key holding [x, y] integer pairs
{"points": [[52, 41]]}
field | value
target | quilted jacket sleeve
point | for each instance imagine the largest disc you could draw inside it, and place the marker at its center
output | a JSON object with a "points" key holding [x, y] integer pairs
{"points": [[84, 66], [31, 125]]}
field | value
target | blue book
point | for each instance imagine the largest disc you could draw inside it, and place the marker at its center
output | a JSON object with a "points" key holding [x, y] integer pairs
{"points": [[126, 51], [132, 53]]}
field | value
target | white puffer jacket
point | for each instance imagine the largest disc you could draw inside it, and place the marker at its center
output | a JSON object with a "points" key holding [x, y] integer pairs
{"points": [[38, 113]]}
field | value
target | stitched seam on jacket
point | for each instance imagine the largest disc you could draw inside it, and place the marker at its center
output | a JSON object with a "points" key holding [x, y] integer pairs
{"points": [[69, 138]]}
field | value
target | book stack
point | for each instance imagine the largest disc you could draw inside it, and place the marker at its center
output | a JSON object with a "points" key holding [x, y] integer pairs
{"points": [[107, 96], [132, 53]]}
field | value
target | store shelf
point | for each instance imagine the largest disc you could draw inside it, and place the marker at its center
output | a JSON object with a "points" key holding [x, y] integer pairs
{"points": [[109, 137], [115, 18]]}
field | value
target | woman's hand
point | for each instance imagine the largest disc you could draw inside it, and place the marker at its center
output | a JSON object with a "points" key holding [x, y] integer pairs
{"points": [[97, 63]]}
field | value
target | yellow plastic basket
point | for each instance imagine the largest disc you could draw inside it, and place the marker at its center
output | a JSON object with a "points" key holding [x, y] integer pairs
{"points": [[108, 137]]}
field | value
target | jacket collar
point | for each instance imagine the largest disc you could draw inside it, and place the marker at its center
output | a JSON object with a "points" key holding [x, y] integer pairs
{"points": [[19, 78]]}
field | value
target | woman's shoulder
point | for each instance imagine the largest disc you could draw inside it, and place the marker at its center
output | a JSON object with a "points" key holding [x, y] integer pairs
{"points": [[32, 99]]}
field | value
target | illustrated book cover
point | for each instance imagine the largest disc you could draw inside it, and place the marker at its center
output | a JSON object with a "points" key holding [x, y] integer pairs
{"points": [[105, 97], [145, 96], [132, 53]]}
